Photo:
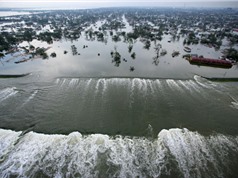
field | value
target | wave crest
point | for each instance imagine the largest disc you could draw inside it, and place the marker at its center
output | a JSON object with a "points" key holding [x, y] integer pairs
{"points": [[176, 152]]}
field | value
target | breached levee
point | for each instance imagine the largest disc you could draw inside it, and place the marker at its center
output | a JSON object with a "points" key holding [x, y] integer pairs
{"points": [[140, 84], [174, 153], [13, 75], [138, 90]]}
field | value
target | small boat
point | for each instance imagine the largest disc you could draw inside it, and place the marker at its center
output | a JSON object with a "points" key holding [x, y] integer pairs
{"points": [[187, 49], [18, 62]]}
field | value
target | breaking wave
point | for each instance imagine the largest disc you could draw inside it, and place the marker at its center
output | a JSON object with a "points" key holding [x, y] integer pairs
{"points": [[174, 153]]}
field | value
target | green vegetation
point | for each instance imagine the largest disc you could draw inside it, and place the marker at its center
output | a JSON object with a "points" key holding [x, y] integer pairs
{"points": [[116, 57], [130, 48], [116, 38], [45, 56], [74, 50], [191, 39], [53, 54], [231, 53], [147, 44], [157, 51], [133, 55], [41, 52], [211, 39], [1, 55]]}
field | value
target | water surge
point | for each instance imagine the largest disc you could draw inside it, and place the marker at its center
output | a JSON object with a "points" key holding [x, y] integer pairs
{"points": [[174, 153]]}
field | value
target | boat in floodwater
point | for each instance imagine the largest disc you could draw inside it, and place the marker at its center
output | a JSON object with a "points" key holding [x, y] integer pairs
{"points": [[210, 62], [187, 49]]}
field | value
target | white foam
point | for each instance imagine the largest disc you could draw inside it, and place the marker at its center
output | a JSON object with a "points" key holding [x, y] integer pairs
{"points": [[144, 84], [133, 84], [105, 85], [115, 81], [63, 82], [150, 84], [99, 155], [203, 85], [123, 82], [7, 140], [7, 92], [73, 82], [77, 154], [194, 86], [97, 85], [185, 85], [158, 84], [201, 81], [197, 154], [88, 83], [234, 105], [139, 84], [173, 85], [132, 91], [187, 147], [101, 84]]}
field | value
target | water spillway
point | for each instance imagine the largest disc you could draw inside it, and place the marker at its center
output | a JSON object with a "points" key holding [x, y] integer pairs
{"points": [[118, 127]]}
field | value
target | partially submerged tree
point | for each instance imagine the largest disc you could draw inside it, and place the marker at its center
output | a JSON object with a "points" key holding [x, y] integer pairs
{"points": [[231, 53], [133, 55], [53, 54], [116, 57], [130, 48], [157, 52], [157, 49], [45, 56], [1, 55], [147, 44]]}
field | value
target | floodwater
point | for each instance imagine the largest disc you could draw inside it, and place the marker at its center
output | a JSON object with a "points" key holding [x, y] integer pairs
{"points": [[15, 13], [81, 116]]}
